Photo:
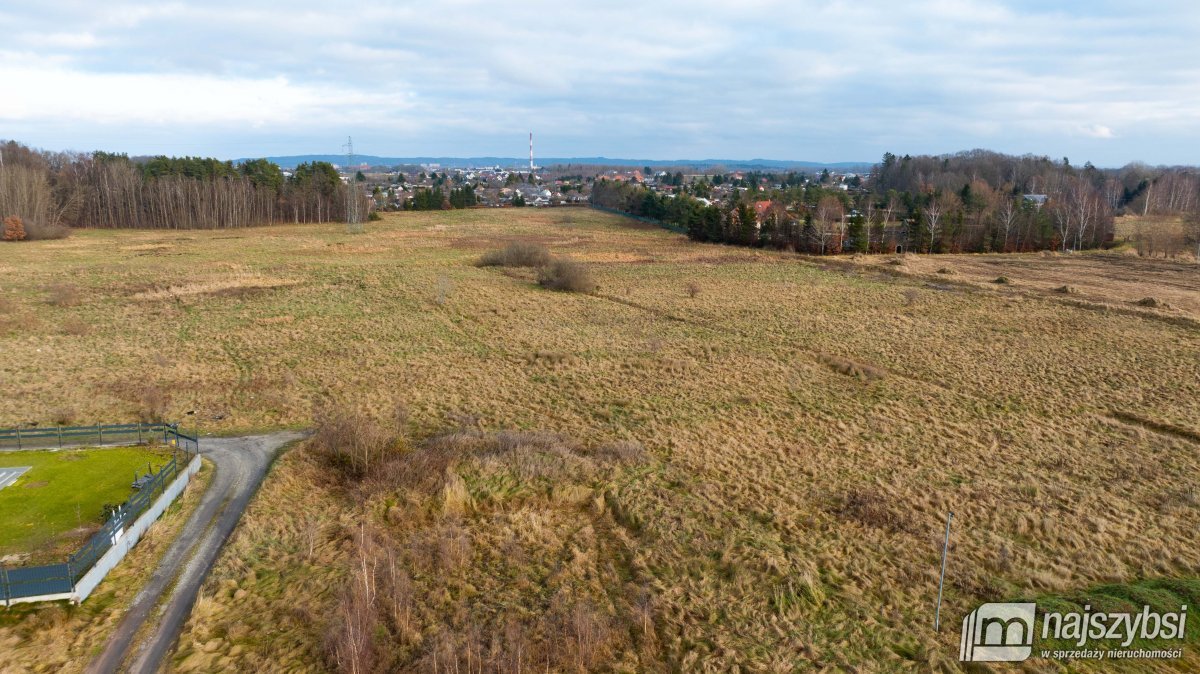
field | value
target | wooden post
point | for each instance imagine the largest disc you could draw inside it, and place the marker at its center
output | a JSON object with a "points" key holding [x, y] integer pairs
{"points": [[100, 431], [18, 438]]}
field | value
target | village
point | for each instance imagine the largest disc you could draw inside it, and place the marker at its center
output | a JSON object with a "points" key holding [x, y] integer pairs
{"points": [[393, 188]]}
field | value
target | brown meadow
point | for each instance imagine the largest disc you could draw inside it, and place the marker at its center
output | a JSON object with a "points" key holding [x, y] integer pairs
{"points": [[797, 429]]}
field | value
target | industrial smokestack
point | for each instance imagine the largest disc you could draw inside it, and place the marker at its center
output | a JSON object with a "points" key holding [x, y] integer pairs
{"points": [[531, 152]]}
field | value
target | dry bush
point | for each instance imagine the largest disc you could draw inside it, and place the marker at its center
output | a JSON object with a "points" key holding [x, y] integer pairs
{"points": [[854, 369], [692, 289], [583, 635], [63, 295], [1152, 303], [552, 358], [75, 326], [567, 276], [153, 402], [516, 254], [871, 508], [355, 444], [64, 416], [350, 645], [19, 323], [621, 452], [45, 232], [442, 289], [14, 229]]}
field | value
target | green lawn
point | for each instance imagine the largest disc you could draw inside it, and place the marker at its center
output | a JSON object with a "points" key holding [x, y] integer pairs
{"points": [[61, 498]]}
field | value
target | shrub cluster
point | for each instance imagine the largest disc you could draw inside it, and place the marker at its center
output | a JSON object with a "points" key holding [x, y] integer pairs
{"points": [[517, 254], [554, 273], [568, 276]]}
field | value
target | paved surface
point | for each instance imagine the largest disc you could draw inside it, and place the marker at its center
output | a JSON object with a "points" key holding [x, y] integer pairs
{"points": [[10, 475], [241, 464]]}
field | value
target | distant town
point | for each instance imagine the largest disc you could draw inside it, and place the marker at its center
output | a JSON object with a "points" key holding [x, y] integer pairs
{"points": [[400, 188]]}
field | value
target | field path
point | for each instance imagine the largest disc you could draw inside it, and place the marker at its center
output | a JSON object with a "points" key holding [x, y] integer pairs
{"points": [[166, 601]]}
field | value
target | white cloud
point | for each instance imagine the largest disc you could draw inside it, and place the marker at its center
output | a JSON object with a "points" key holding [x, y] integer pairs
{"points": [[1097, 131], [811, 79]]}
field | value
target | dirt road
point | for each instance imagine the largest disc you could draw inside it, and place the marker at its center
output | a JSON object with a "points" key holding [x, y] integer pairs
{"points": [[241, 464]]}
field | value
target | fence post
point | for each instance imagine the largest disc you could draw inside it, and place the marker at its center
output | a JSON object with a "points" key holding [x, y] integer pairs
{"points": [[100, 431], [139, 432], [60, 437], [937, 616], [18, 438]]}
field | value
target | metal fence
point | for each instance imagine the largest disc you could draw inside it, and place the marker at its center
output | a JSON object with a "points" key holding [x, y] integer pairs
{"points": [[58, 437], [52, 579]]}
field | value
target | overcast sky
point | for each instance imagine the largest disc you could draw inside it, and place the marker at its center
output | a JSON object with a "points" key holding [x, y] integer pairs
{"points": [[1105, 81]]}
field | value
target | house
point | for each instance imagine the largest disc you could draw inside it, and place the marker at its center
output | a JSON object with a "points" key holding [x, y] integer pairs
{"points": [[1038, 200]]}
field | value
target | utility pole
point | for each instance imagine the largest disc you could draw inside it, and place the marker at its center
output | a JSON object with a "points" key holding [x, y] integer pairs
{"points": [[353, 224]]}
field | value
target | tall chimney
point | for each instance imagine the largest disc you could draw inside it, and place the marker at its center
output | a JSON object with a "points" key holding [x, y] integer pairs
{"points": [[531, 152]]}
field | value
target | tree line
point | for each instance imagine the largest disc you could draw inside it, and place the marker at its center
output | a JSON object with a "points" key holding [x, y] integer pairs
{"points": [[435, 199], [975, 201], [53, 191]]}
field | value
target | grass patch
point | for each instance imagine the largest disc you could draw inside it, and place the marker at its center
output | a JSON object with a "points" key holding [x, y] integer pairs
{"points": [[61, 499]]}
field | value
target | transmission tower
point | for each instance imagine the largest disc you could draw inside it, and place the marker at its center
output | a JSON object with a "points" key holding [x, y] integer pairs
{"points": [[353, 222]]}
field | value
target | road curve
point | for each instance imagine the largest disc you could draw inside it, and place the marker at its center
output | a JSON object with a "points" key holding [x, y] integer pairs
{"points": [[241, 463]]}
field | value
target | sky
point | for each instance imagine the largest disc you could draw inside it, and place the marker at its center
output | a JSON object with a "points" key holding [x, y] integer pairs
{"points": [[1102, 81]]}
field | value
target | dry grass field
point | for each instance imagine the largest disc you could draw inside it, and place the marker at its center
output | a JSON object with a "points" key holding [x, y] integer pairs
{"points": [[723, 459]]}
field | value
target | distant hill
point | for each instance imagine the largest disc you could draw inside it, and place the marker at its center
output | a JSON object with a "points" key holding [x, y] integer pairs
{"points": [[517, 162]]}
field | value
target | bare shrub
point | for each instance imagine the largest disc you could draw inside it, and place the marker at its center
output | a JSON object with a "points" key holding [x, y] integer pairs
{"points": [[75, 326], [622, 452], [63, 295], [152, 404], [872, 508], [454, 549], [63, 416], [350, 644], [516, 254], [581, 634], [46, 231], [351, 442], [692, 289], [424, 469], [442, 289], [14, 229], [1152, 303], [854, 369], [567, 276]]}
